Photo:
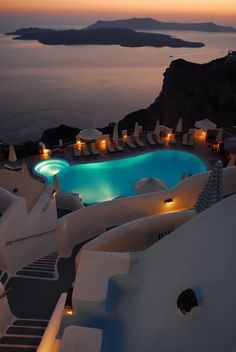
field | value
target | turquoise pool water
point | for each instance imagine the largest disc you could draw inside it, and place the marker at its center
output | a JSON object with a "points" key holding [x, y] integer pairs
{"points": [[97, 182]]}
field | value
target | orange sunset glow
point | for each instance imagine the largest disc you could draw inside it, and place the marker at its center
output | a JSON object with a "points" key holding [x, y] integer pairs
{"points": [[195, 9]]}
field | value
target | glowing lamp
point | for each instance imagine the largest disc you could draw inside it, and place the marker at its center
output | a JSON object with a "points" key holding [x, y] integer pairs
{"points": [[124, 137], [68, 310], [168, 201], [54, 192], [78, 144]]}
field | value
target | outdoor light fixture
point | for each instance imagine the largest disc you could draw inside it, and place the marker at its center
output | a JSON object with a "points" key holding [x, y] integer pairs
{"points": [[168, 201]]}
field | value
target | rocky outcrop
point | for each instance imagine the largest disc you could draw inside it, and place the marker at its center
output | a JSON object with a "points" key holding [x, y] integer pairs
{"points": [[193, 92]]}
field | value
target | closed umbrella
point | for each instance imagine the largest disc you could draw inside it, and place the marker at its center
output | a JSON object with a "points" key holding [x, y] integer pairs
{"points": [[89, 134], [136, 130], [220, 135], [213, 190], [157, 128], [179, 126], [115, 136], [12, 154], [149, 184], [206, 124]]}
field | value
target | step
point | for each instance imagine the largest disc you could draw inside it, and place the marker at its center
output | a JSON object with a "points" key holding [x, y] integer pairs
{"points": [[41, 265], [42, 262], [34, 274], [22, 330], [26, 322], [19, 340], [16, 348], [38, 269]]}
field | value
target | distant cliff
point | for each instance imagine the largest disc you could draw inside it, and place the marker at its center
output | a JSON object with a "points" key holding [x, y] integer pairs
{"points": [[151, 24], [102, 36], [193, 92]]}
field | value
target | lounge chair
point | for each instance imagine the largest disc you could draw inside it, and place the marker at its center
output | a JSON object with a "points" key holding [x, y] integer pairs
{"points": [[109, 146], [191, 141], [151, 139], [158, 139], [185, 139], [77, 151], [172, 140], [130, 143], [94, 149], [85, 150], [119, 147], [139, 142]]}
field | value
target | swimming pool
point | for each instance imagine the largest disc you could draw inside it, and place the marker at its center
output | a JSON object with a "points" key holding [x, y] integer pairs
{"points": [[100, 181]]}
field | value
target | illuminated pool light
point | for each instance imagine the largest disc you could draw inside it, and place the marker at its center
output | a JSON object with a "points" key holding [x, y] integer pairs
{"points": [[101, 181]]}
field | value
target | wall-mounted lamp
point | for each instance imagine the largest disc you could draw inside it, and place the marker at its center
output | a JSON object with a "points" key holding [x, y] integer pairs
{"points": [[168, 201], [54, 192]]}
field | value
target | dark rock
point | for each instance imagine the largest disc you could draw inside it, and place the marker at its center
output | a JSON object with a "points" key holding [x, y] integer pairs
{"points": [[193, 92]]}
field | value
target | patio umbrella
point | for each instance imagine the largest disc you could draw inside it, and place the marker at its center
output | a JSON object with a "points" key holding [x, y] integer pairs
{"points": [[157, 128], [206, 124], [231, 160], [136, 129], [12, 154], [149, 184], [179, 126], [115, 136], [89, 133], [230, 144], [213, 190], [220, 135], [56, 183]]}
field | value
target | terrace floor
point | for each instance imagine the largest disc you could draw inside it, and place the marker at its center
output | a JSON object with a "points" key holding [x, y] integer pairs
{"points": [[201, 149]]}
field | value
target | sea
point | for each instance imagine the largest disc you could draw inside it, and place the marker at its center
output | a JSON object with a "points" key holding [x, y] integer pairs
{"points": [[42, 86]]}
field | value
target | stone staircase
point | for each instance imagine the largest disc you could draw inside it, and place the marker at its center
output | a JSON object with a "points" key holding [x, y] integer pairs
{"points": [[23, 335], [44, 268]]}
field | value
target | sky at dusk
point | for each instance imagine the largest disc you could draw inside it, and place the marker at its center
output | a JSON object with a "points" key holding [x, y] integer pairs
{"points": [[221, 11]]}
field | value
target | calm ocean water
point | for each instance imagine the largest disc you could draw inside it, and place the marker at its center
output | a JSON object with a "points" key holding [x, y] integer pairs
{"points": [[43, 86]]}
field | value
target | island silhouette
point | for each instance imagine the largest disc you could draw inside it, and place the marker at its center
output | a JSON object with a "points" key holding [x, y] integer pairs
{"points": [[102, 36]]}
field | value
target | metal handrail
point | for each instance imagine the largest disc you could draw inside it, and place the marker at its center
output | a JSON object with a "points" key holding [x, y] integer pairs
{"points": [[8, 243]]}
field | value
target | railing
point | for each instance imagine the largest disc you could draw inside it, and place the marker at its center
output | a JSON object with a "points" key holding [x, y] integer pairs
{"points": [[8, 243]]}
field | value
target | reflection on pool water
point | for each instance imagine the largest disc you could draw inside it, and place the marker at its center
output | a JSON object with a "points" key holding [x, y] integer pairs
{"points": [[97, 182]]}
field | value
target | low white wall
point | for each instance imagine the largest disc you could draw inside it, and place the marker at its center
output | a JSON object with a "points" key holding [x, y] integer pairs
{"points": [[68, 201], [16, 224], [6, 198], [139, 234], [91, 221], [48, 342]]}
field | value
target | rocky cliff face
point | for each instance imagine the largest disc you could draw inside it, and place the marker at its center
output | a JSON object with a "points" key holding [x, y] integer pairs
{"points": [[193, 92]]}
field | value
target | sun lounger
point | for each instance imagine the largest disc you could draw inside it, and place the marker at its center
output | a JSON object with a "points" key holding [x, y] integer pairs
{"points": [[191, 140], [109, 146], [130, 143], [85, 150], [172, 140], [158, 139], [139, 142], [151, 139], [77, 152], [13, 168], [119, 148], [185, 139], [94, 149]]}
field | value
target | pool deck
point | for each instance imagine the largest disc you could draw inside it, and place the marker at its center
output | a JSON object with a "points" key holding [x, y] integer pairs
{"points": [[201, 149]]}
